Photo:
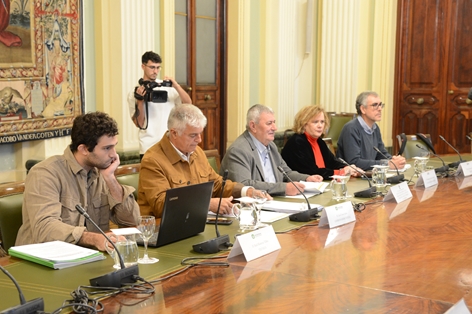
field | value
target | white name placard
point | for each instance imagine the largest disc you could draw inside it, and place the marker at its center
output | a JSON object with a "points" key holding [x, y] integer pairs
{"points": [[397, 208], [463, 182], [464, 169], [399, 193], [339, 234], [427, 179], [424, 194], [337, 215], [255, 244], [459, 308]]}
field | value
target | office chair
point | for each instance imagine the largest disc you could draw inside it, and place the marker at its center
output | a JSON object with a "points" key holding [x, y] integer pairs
{"points": [[411, 150], [337, 122], [11, 202]]}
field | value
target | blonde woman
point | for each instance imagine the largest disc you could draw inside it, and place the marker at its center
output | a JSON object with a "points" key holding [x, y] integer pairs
{"points": [[306, 152]]}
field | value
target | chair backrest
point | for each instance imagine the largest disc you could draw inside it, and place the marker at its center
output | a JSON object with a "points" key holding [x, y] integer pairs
{"points": [[329, 143], [411, 150], [30, 163], [11, 202], [214, 159], [337, 123], [129, 175]]}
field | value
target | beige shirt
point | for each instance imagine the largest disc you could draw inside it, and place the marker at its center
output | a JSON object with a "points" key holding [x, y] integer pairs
{"points": [[53, 188]]}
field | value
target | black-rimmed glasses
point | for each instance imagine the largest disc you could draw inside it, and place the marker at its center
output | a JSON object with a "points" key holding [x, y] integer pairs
{"points": [[378, 105]]}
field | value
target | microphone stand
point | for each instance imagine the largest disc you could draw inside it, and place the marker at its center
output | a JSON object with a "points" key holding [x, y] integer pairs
{"points": [[367, 193], [442, 169], [453, 164], [396, 179], [220, 242], [125, 275], [306, 215], [32, 306]]}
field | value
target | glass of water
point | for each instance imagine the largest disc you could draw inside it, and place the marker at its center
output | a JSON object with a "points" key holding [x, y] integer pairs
{"points": [[260, 197], [147, 225]]}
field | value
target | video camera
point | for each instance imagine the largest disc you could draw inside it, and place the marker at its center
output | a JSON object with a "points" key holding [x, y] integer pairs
{"points": [[158, 96]]}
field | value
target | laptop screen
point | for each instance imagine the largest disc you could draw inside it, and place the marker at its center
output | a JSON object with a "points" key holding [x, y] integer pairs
{"points": [[184, 214]]}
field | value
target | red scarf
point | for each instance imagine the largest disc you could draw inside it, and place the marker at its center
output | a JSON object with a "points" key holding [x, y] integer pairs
{"points": [[316, 150], [318, 156]]}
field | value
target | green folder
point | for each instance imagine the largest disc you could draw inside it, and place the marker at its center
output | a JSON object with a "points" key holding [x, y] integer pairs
{"points": [[56, 254]]}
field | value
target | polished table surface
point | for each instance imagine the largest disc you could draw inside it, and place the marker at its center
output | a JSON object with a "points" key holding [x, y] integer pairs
{"points": [[411, 257]]}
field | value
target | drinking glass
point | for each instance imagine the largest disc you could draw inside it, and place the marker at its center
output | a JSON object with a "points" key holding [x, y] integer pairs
{"points": [[260, 198], [379, 177], [338, 187], [247, 215], [147, 225], [420, 163], [126, 246]]}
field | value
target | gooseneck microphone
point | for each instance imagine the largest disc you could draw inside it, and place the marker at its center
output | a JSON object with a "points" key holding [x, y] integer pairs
{"points": [[33, 306], [453, 164], [306, 215], [118, 278], [220, 242], [444, 168], [367, 193], [468, 137], [395, 179], [426, 141]]}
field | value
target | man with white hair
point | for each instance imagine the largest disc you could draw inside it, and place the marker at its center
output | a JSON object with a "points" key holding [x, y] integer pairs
{"points": [[177, 160]]}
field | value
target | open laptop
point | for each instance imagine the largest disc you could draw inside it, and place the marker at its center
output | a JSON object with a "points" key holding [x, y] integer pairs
{"points": [[184, 214]]}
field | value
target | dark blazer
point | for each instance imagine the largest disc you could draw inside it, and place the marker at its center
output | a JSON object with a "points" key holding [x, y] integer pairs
{"points": [[299, 156], [244, 165]]}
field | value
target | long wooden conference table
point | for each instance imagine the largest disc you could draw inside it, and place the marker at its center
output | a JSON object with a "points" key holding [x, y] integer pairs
{"points": [[410, 257]]}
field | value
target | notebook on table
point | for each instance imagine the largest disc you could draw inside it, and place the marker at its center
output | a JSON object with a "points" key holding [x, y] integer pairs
{"points": [[184, 214]]}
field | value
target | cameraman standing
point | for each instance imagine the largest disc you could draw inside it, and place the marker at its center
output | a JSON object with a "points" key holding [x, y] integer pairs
{"points": [[151, 102]]}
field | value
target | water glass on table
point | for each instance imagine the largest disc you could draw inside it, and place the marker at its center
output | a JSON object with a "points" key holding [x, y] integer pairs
{"points": [[260, 197], [147, 226]]}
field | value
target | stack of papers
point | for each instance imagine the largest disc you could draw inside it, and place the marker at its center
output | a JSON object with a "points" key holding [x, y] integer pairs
{"points": [[56, 254], [407, 166], [315, 187]]}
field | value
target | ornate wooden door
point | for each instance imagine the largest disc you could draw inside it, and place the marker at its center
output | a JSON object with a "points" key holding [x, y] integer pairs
{"points": [[434, 71], [200, 62]]}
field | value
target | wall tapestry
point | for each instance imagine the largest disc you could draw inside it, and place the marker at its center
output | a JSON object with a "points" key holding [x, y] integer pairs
{"points": [[40, 68]]}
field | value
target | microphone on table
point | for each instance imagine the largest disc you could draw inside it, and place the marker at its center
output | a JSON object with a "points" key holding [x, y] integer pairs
{"points": [[367, 193], [220, 242], [32, 306], [118, 278], [444, 168], [395, 179], [306, 215], [427, 141], [453, 164]]}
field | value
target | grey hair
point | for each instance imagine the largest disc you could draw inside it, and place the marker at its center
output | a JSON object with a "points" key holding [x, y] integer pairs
{"points": [[254, 113], [361, 100], [186, 114]]}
